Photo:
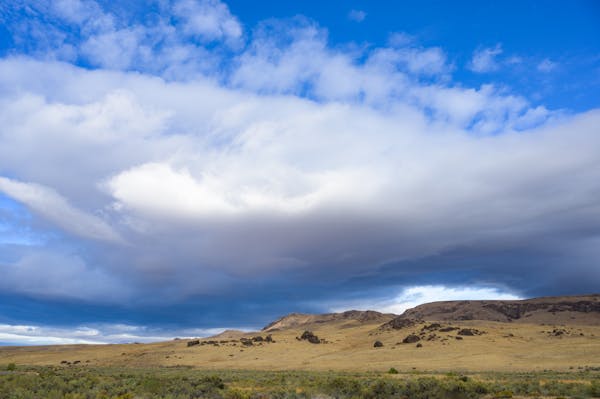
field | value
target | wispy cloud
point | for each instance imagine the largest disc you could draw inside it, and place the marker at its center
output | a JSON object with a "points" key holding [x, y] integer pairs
{"points": [[208, 19], [14, 334], [484, 60], [174, 43], [58, 210], [357, 15], [546, 65]]}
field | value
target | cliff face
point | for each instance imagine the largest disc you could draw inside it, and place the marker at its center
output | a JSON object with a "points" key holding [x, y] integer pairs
{"points": [[555, 310]]}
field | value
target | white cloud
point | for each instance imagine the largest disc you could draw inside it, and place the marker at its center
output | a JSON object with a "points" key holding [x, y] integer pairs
{"points": [[208, 19], [357, 15], [417, 295], [484, 60], [277, 63], [417, 61], [115, 49], [171, 44], [533, 117], [212, 176], [77, 11], [197, 169], [158, 189], [546, 65], [15, 334], [514, 60], [58, 210], [401, 39]]}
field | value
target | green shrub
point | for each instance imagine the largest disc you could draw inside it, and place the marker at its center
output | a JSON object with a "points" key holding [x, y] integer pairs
{"points": [[11, 367], [342, 387], [381, 389], [503, 394], [594, 389], [184, 383], [392, 371], [236, 394]]}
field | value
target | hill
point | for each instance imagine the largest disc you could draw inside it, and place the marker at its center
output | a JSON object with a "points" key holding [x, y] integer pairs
{"points": [[294, 320], [580, 310]]}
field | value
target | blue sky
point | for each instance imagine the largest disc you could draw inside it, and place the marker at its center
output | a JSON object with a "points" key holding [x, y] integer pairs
{"points": [[172, 168]]}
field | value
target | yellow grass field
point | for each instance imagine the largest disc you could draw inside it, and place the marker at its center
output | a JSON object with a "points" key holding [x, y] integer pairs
{"points": [[349, 347]]}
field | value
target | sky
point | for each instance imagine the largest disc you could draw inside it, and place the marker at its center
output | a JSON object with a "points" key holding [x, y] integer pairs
{"points": [[172, 168]]}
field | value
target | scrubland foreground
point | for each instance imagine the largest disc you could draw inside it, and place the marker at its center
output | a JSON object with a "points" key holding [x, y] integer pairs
{"points": [[185, 382]]}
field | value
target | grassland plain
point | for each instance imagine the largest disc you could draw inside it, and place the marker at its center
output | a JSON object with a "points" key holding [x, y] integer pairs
{"points": [[349, 347]]}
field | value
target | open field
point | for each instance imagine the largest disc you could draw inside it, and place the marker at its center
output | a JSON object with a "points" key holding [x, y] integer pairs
{"points": [[349, 347]]}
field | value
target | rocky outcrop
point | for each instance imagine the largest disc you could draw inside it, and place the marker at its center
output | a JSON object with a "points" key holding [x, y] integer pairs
{"points": [[399, 323], [469, 332], [310, 337], [518, 310], [411, 339]]}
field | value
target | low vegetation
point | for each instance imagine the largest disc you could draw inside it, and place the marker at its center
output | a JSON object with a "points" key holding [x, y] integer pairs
{"points": [[181, 382]]}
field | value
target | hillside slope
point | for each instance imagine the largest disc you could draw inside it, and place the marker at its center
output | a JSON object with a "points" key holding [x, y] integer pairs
{"points": [[294, 320], [580, 310]]}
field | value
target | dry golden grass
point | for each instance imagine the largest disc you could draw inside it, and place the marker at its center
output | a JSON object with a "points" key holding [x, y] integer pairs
{"points": [[503, 347]]}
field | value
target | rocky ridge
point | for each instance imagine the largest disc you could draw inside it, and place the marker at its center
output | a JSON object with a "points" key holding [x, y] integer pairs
{"points": [[574, 310]]}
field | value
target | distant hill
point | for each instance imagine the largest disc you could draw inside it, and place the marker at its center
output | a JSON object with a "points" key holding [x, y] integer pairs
{"points": [[230, 334], [294, 320], [558, 333], [580, 310]]}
